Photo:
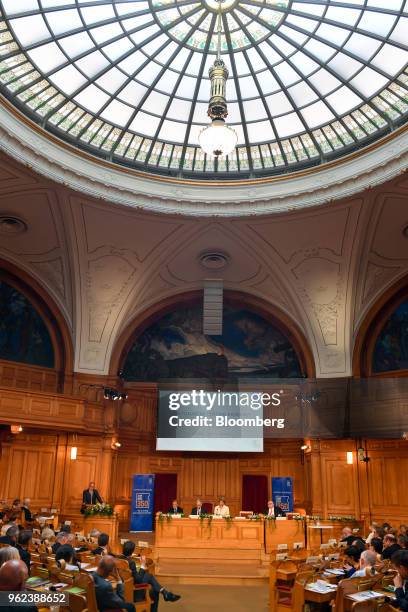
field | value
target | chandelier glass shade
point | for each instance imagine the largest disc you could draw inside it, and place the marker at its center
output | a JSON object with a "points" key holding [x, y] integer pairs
{"points": [[218, 139]]}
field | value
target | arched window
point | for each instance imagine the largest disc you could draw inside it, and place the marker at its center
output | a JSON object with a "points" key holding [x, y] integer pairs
{"points": [[391, 346], [24, 337], [174, 346]]}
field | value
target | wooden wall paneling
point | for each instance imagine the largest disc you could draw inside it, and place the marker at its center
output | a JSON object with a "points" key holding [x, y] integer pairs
{"points": [[23, 376], [339, 480]]}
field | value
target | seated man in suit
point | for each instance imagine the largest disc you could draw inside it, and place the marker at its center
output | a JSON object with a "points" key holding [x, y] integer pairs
{"points": [[102, 548], [175, 508], [390, 546], [273, 510], [91, 495], [400, 561], [351, 561], [23, 545], [108, 598], [66, 553], [348, 536], [26, 510], [198, 508], [11, 536], [13, 576], [222, 509], [141, 576]]}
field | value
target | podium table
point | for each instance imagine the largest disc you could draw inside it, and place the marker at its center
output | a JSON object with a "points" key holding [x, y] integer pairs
{"points": [[104, 524], [216, 540]]}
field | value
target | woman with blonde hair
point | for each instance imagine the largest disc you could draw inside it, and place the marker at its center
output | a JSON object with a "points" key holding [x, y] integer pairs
{"points": [[8, 553]]}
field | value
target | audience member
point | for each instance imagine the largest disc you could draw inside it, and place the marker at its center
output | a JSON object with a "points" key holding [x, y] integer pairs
{"points": [[368, 560], [386, 527], [11, 522], [61, 539], [26, 510], [23, 544], [352, 560], [47, 534], [390, 546], [108, 598], [66, 553], [347, 536], [400, 562], [403, 541], [102, 548], [143, 576], [11, 536], [403, 530], [8, 553], [373, 528], [376, 546], [13, 575]]}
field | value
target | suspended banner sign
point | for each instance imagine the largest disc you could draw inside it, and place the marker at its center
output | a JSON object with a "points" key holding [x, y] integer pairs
{"points": [[282, 493], [141, 518]]}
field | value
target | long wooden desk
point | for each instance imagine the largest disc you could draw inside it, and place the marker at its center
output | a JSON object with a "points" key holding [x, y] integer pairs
{"points": [[186, 538]]}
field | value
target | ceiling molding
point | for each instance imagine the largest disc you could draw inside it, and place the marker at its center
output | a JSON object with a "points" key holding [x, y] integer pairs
{"points": [[64, 164]]}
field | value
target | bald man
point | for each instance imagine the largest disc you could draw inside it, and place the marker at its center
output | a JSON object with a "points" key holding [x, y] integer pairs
{"points": [[106, 597], [13, 575]]}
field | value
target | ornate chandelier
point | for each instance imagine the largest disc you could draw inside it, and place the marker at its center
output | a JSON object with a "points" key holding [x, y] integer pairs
{"points": [[218, 139]]}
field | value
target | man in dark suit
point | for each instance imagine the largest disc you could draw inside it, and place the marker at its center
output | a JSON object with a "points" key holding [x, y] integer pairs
{"points": [[273, 510], [11, 536], [106, 597], [91, 495], [175, 508], [24, 541], [142, 576], [28, 516], [198, 508], [102, 548], [400, 561], [390, 546]]}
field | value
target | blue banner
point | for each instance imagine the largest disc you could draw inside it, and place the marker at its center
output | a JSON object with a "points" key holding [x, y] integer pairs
{"points": [[141, 516], [282, 493]]}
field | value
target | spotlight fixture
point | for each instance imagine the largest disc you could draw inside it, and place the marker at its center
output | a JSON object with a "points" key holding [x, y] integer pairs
{"points": [[113, 394], [218, 139], [16, 429]]}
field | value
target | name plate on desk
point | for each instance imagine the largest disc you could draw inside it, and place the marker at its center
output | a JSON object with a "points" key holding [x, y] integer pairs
{"points": [[281, 518], [176, 516], [193, 516]]}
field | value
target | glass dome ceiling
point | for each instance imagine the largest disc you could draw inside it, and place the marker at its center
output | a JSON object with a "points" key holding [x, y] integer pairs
{"points": [[128, 79]]}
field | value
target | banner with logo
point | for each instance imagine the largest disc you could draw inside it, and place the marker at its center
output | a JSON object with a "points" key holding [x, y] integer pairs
{"points": [[141, 517], [282, 493]]}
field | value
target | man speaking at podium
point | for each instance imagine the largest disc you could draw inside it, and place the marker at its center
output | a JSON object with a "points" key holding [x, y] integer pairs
{"points": [[91, 495]]}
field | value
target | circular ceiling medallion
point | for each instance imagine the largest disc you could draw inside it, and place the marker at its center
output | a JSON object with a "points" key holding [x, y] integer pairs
{"points": [[11, 225], [214, 260]]}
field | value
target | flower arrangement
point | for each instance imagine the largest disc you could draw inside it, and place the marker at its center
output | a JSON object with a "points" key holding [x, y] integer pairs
{"points": [[255, 517], [99, 510]]}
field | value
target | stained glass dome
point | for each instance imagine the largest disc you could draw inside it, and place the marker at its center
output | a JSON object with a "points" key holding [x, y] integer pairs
{"points": [[128, 80]]}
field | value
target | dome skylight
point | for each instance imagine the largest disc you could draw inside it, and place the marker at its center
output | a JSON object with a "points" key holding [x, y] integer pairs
{"points": [[128, 80]]}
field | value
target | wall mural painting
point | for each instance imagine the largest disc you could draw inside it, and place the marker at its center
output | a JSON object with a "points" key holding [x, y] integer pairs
{"points": [[391, 347], [175, 347], [23, 334]]}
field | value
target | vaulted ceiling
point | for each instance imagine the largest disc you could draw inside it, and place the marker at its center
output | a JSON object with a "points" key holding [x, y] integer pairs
{"points": [[105, 264]]}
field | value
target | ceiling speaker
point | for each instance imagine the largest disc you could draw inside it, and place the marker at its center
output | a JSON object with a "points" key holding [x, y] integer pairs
{"points": [[212, 307]]}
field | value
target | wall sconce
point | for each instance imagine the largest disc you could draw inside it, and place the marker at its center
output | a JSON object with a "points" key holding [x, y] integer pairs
{"points": [[16, 429], [305, 447], [350, 458], [74, 452], [115, 444]]}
